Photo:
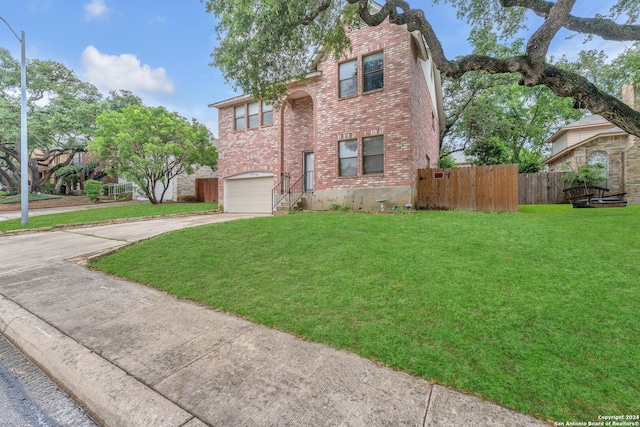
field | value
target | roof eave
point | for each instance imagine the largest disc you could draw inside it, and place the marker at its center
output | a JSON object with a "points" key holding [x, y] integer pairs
{"points": [[236, 100], [567, 150], [423, 52]]}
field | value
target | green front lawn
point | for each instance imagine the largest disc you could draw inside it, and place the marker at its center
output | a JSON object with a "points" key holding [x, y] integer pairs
{"points": [[133, 210], [33, 197], [536, 310]]}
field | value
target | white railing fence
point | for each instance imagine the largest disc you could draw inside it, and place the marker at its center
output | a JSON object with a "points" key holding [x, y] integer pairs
{"points": [[116, 190]]}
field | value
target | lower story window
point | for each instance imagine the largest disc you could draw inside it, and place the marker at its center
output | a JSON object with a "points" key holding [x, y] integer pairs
{"points": [[348, 151], [373, 155]]}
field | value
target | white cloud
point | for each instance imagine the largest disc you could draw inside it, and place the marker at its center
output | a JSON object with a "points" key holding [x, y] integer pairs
{"points": [[156, 20], [39, 5], [571, 47], [95, 10], [114, 72]]}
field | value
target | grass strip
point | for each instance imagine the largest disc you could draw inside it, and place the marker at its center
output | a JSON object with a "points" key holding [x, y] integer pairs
{"points": [[33, 197], [133, 210]]}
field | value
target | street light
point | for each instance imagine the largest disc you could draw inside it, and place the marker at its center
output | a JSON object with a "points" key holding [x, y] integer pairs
{"points": [[24, 167]]}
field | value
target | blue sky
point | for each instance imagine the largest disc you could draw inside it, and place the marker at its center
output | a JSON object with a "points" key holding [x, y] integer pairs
{"points": [[160, 49]]}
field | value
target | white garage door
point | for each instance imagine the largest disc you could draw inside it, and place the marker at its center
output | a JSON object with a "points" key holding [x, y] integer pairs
{"points": [[249, 195]]}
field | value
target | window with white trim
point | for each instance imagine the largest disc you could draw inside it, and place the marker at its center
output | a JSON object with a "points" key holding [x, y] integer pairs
{"points": [[348, 76], [267, 113], [253, 115], [373, 155], [373, 74], [239, 115], [348, 152]]}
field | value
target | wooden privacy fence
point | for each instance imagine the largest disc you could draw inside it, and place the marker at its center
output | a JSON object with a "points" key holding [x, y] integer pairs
{"points": [[479, 188], [540, 188], [207, 190]]}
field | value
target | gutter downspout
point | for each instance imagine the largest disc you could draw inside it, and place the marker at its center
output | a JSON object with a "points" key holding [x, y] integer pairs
{"points": [[623, 166]]}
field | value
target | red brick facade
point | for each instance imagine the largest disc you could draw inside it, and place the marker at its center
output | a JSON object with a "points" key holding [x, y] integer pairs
{"points": [[315, 119]]}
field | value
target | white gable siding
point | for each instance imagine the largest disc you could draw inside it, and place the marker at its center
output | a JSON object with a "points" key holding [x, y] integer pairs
{"points": [[559, 144]]}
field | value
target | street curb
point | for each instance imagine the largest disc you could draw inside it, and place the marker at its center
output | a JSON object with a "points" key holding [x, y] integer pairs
{"points": [[110, 395]]}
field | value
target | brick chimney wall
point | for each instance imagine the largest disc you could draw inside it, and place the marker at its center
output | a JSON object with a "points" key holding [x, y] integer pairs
{"points": [[630, 97], [631, 154]]}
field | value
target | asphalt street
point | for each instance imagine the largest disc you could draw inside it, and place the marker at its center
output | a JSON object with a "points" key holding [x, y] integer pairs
{"points": [[28, 397]]}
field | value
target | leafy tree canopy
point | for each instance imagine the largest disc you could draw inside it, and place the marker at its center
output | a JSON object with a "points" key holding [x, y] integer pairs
{"points": [[150, 146], [520, 118], [118, 100], [265, 43], [474, 103], [61, 111]]}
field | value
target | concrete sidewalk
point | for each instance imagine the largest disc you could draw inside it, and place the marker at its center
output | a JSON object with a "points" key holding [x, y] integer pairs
{"points": [[134, 356]]}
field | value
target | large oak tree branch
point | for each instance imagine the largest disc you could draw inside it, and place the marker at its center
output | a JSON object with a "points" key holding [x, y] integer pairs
{"points": [[602, 27], [539, 42], [415, 21], [315, 11], [531, 66], [587, 95], [10, 152]]}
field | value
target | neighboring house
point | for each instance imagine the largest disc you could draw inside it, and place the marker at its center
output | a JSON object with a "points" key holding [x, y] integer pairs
{"points": [[45, 166], [185, 185], [595, 140], [461, 159], [180, 187], [79, 159], [355, 132], [138, 193]]}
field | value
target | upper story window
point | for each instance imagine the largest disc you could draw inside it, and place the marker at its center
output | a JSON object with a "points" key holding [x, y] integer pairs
{"points": [[253, 115], [348, 157], [373, 155], [267, 113], [239, 112], [372, 75], [373, 71], [348, 75]]}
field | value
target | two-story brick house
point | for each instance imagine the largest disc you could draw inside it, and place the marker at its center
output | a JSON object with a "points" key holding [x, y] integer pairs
{"points": [[355, 132]]}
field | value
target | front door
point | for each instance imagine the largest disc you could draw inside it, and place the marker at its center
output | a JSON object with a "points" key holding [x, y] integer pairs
{"points": [[308, 171]]}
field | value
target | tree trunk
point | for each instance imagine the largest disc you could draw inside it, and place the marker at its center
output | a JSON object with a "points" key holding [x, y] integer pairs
{"points": [[149, 191], [164, 190], [59, 183]]}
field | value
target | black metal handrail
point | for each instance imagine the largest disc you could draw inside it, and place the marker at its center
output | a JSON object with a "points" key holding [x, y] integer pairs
{"points": [[281, 190], [294, 191]]}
